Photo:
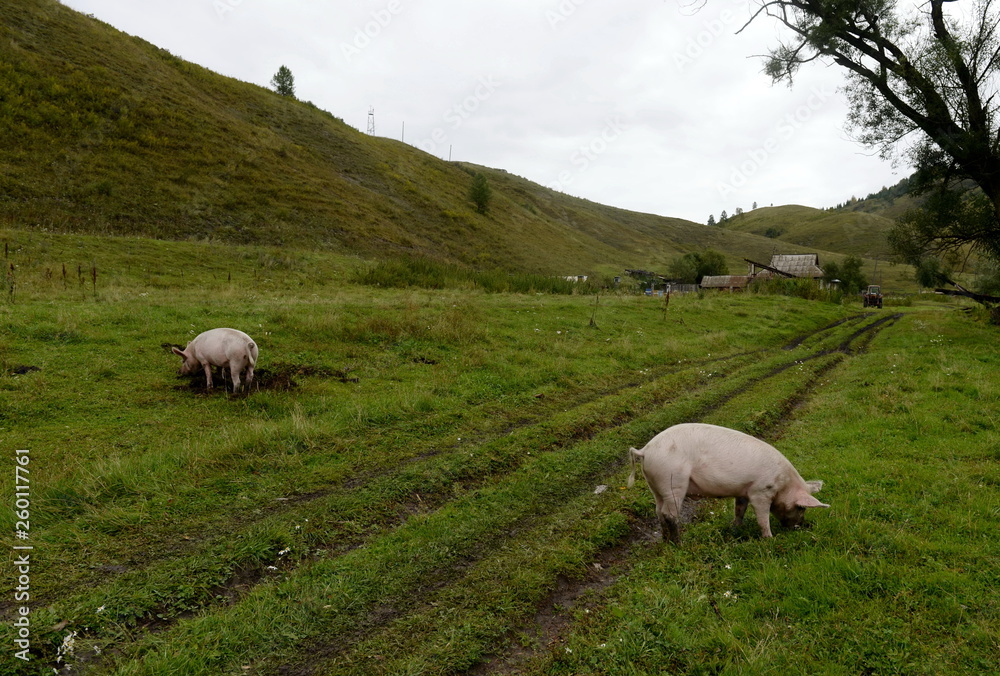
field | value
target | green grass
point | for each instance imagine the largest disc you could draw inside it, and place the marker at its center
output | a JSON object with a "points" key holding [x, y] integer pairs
{"points": [[428, 274], [412, 487], [894, 579], [426, 488]]}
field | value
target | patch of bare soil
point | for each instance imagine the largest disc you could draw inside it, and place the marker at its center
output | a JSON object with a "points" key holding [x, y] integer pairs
{"points": [[21, 370], [277, 377]]}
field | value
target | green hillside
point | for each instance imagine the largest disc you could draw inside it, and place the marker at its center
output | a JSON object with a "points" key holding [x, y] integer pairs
{"points": [[859, 233], [890, 202], [106, 134]]}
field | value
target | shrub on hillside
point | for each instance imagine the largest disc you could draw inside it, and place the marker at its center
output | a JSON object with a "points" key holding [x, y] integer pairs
{"points": [[480, 193]]}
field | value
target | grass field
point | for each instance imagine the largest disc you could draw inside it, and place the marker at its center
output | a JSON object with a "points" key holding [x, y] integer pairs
{"points": [[412, 488]]}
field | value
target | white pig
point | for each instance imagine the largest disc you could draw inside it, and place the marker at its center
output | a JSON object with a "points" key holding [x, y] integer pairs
{"points": [[225, 348], [703, 460]]}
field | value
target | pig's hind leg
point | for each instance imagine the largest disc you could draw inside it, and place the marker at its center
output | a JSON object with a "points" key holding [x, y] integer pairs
{"points": [[668, 523], [741, 509], [668, 507], [235, 368]]}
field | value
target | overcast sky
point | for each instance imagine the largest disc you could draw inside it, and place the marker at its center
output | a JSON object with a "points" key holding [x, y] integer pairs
{"points": [[650, 105]]}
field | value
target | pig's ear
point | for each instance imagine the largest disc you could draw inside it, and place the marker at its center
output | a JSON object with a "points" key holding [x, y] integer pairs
{"points": [[814, 486], [809, 501], [178, 351]]}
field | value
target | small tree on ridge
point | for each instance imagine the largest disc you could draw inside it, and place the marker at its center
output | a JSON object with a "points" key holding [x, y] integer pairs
{"points": [[283, 82]]}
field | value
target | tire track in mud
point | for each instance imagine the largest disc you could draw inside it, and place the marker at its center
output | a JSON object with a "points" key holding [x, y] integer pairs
{"points": [[579, 424], [614, 559], [552, 619], [426, 494], [428, 501], [365, 472]]}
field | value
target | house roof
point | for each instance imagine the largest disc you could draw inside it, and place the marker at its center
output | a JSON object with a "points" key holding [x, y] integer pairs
{"points": [[724, 281], [798, 265]]}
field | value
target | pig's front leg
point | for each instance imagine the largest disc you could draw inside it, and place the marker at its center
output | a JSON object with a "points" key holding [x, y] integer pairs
{"points": [[762, 508]]}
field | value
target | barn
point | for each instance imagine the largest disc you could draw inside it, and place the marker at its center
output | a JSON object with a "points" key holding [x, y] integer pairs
{"points": [[793, 266]]}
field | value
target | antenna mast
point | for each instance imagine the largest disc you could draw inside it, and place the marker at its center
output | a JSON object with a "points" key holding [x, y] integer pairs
{"points": [[371, 121]]}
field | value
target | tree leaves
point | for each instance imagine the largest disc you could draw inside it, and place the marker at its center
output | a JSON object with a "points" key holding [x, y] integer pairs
{"points": [[283, 82]]}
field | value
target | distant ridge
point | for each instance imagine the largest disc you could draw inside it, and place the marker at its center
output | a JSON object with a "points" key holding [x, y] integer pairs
{"points": [[849, 232], [889, 202]]}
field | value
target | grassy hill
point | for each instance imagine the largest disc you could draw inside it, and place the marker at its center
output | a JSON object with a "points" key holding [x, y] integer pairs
{"points": [[858, 233], [890, 202], [106, 134]]}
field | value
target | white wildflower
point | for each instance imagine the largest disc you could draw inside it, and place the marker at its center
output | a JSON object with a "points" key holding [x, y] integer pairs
{"points": [[67, 647]]}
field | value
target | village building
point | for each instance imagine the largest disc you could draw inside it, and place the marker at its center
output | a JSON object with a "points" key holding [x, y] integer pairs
{"points": [[787, 265], [792, 266], [726, 282]]}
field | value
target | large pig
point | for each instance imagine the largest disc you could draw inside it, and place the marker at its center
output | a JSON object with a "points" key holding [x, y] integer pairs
{"points": [[225, 348], [703, 460]]}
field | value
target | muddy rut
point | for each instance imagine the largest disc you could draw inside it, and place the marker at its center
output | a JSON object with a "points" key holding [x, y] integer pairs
{"points": [[553, 616], [425, 479]]}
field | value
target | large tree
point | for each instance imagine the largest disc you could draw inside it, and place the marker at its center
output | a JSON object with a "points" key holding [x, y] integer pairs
{"points": [[692, 267], [923, 84], [848, 274]]}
